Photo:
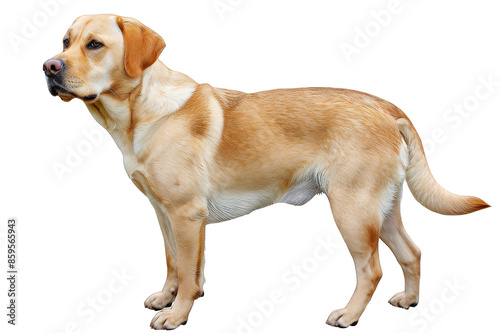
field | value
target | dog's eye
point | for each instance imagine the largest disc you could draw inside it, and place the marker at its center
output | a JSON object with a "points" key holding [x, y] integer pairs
{"points": [[66, 42], [93, 45]]}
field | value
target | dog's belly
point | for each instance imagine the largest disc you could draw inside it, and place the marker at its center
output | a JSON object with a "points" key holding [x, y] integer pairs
{"points": [[301, 192], [230, 205]]}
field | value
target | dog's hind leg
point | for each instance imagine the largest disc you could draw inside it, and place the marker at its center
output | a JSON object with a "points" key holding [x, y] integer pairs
{"points": [[361, 187], [359, 223], [394, 235]]}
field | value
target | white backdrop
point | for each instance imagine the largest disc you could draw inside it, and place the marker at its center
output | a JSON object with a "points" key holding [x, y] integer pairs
{"points": [[90, 248]]}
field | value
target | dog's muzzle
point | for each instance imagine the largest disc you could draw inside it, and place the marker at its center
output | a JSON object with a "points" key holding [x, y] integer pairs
{"points": [[54, 69]]}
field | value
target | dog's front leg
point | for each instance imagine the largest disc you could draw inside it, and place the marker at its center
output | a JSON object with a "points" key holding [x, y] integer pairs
{"points": [[188, 226], [166, 296]]}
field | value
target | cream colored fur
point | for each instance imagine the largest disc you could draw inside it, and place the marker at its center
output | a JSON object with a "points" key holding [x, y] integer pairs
{"points": [[203, 155]]}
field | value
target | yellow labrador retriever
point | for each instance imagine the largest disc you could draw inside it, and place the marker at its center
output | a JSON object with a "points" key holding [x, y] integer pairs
{"points": [[205, 155]]}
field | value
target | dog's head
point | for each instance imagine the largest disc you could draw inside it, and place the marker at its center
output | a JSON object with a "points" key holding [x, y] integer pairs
{"points": [[100, 53]]}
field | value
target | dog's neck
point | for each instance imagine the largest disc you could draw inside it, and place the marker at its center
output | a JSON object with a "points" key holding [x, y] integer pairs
{"points": [[128, 112]]}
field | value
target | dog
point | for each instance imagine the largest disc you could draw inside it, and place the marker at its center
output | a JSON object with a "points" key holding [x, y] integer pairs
{"points": [[204, 155]]}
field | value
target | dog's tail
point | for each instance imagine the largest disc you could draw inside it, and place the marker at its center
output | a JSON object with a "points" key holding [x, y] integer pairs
{"points": [[422, 184]]}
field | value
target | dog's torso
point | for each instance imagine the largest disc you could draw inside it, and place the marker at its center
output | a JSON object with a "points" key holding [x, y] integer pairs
{"points": [[239, 152]]}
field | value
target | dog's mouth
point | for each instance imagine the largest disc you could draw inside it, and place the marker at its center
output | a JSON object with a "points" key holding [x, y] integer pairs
{"points": [[90, 98], [57, 89]]}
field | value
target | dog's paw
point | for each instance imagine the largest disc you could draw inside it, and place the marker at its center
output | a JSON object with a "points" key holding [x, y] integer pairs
{"points": [[160, 300], [401, 300], [167, 320], [341, 318]]}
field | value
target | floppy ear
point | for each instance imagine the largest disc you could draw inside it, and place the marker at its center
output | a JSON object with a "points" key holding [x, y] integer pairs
{"points": [[142, 46]]}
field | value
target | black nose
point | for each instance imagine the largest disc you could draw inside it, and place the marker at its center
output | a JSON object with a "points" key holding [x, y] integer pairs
{"points": [[52, 66]]}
